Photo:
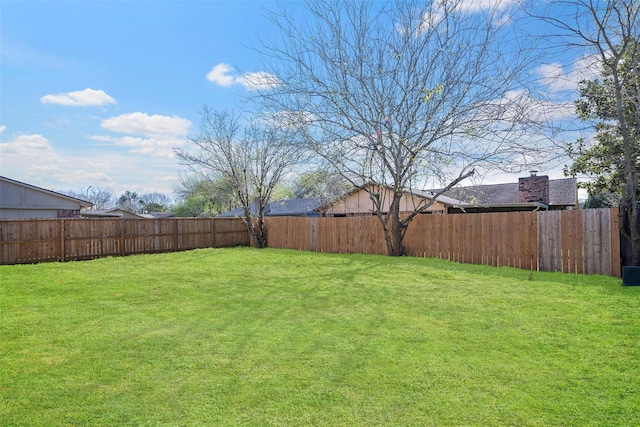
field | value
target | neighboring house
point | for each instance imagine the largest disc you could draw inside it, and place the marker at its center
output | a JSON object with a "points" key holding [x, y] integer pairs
{"points": [[110, 213], [354, 203], [20, 200], [292, 207], [357, 202], [529, 193]]}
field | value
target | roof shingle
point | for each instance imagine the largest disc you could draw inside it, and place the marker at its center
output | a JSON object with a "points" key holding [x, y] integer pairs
{"points": [[562, 192]]}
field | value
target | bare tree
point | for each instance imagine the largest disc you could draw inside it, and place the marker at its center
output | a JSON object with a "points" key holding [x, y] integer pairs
{"points": [[396, 94], [253, 158], [100, 197], [323, 184], [610, 29], [156, 202], [130, 201], [203, 196]]}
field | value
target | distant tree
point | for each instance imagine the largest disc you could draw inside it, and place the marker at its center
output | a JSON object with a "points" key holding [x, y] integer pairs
{"points": [[156, 202], [130, 202], [399, 93], [323, 184], [602, 200], [604, 158], [253, 158], [192, 206], [202, 196], [610, 30], [282, 191], [100, 197]]}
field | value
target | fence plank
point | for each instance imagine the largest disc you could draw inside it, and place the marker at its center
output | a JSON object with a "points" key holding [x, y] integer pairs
{"points": [[605, 233], [614, 228], [591, 243]]}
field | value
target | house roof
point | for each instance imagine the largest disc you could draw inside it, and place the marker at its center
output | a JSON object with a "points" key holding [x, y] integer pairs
{"points": [[427, 194], [445, 200], [290, 207], [110, 213], [157, 215], [498, 207], [83, 203], [562, 192]]}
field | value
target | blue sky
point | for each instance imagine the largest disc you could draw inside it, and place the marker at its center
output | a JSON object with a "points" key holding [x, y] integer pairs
{"points": [[99, 93]]}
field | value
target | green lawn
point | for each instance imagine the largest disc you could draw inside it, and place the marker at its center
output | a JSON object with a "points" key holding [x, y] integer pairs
{"points": [[274, 337]]}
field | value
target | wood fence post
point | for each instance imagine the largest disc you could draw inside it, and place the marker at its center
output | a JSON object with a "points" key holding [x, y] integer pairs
{"points": [[123, 249], [614, 224], [313, 238], [175, 235], [156, 235], [214, 233], [62, 242]]}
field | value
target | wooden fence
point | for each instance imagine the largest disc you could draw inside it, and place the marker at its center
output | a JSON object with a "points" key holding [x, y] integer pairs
{"points": [[30, 241], [578, 241]]}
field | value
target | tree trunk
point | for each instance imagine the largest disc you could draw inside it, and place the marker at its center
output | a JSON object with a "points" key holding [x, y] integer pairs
{"points": [[396, 235], [629, 191], [633, 221], [632, 209], [394, 229], [261, 233], [630, 236], [257, 232]]}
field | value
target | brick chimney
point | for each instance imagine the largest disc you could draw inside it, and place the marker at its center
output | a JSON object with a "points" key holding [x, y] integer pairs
{"points": [[534, 188]]}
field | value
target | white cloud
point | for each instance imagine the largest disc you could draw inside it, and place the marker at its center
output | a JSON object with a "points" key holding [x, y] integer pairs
{"points": [[478, 5], [29, 147], [144, 124], [3, 128], [260, 80], [154, 135], [82, 175], [49, 170], [220, 75], [159, 147], [437, 11], [33, 159], [551, 75], [521, 106], [558, 78], [101, 138], [288, 119], [82, 98]]}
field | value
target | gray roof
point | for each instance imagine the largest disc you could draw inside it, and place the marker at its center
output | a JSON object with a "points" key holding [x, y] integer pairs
{"points": [[290, 207], [110, 213], [428, 194], [562, 192], [157, 215]]}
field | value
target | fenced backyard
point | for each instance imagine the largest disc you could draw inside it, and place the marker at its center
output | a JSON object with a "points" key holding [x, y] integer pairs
{"points": [[578, 241], [31, 241]]}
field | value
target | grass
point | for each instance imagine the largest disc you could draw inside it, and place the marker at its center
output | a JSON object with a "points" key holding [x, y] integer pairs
{"points": [[234, 337]]}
